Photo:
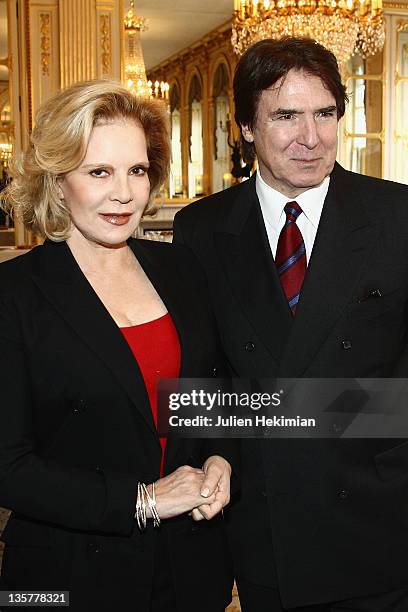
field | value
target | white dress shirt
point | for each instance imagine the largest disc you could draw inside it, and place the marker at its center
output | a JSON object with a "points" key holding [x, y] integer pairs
{"points": [[273, 202]]}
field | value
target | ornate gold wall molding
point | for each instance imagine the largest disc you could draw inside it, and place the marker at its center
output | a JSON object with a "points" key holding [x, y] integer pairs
{"points": [[45, 29], [105, 45], [396, 5], [43, 51], [402, 25], [26, 60], [109, 16]]}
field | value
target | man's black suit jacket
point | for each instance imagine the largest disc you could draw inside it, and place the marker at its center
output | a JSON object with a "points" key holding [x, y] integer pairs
{"points": [[77, 434], [324, 520]]}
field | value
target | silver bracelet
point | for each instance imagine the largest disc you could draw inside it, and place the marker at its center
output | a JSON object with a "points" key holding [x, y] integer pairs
{"points": [[140, 514], [151, 502], [144, 500]]}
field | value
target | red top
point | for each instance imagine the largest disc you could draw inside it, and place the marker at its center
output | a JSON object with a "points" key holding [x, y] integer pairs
{"points": [[156, 348]]}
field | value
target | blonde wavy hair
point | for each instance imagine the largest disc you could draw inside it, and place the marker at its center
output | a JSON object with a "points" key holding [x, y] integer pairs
{"points": [[59, 142]]}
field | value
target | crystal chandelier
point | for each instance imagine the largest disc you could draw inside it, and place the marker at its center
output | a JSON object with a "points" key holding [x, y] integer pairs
{"points": [[6, 152], [345, 27], [135, 70]]}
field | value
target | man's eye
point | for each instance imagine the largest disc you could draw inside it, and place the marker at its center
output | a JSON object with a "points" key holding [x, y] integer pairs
{"points": [[99, 172], [138, 170], [327, 113], [286, 116]]}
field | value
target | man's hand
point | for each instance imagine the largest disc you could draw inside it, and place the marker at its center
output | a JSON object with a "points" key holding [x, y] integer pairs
{"points": [[216, 484]]}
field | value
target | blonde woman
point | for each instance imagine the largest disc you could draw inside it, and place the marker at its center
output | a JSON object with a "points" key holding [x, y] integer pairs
{"points": [[89, 321]]}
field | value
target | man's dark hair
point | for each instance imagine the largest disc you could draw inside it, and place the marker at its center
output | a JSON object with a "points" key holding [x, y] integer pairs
{"points": [[269, 60]]}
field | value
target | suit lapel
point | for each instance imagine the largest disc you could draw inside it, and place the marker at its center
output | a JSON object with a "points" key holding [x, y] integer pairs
{"points": [[244, 252], [62, 282], [343, 242]]}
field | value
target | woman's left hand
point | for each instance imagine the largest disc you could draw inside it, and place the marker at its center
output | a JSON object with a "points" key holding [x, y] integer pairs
{"points": [[217, 481]]}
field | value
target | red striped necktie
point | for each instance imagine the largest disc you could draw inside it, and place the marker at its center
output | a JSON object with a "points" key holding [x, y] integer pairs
{"points": [[291, 256]]}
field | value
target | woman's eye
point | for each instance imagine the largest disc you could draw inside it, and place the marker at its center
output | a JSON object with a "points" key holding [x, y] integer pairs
{"points": [[99, 172]]}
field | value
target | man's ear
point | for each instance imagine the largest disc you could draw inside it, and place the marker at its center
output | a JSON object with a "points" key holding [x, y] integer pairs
{"points": [[247, 133]]}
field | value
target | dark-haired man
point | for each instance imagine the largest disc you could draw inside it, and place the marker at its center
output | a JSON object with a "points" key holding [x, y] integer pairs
{"points": [[307, 266]]}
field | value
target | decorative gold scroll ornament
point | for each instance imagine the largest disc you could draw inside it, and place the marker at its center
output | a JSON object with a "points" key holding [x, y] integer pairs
{"points": [[105, 29], [45, 30]]}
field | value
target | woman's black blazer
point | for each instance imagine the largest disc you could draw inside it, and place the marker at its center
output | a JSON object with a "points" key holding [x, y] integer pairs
{"points": [[77, 434]]}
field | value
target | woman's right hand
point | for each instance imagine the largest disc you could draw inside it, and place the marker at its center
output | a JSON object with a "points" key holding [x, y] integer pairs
{"points": [[179, 492]]}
